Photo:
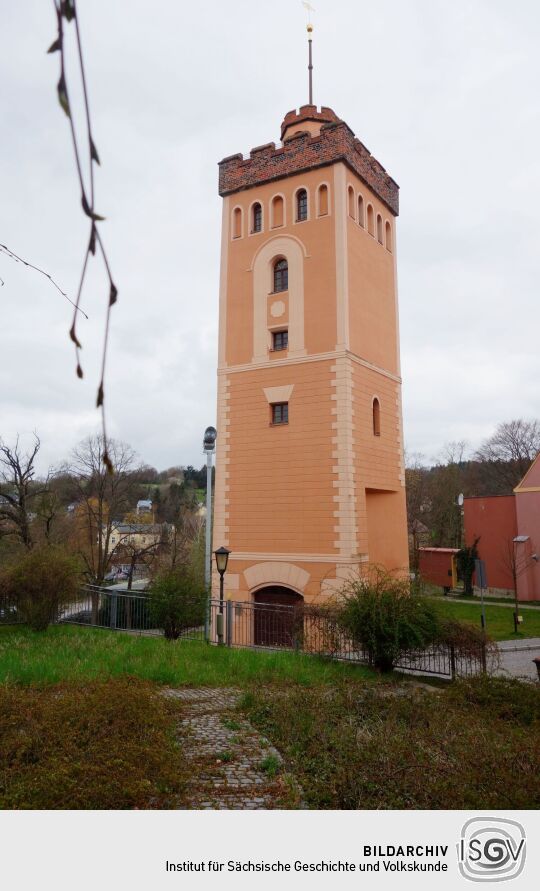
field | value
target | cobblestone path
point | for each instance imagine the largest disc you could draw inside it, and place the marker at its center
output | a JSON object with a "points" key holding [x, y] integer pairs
{"points": [[234, 767]]}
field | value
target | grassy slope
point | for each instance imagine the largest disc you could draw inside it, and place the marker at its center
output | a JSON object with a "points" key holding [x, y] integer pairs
{"points": [[499, 621], [76, 654]]}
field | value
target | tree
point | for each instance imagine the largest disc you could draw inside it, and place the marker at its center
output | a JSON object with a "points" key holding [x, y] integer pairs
{"points": [[417, 492], [510, 452], [102, 497], [177, 600], [466, 558], [19, 492]]}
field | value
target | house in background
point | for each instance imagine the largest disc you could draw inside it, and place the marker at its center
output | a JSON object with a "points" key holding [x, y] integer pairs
{"points": [[508, 529], [527, 543]]}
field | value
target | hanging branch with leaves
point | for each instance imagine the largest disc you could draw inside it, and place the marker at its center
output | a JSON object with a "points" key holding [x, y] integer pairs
{"points": [[66, 13]]}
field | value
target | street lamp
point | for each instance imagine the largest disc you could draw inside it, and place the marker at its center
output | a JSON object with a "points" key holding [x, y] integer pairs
{"points": [[209, 446], [222, 558]]}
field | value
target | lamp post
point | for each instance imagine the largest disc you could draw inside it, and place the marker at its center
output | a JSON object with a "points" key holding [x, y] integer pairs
{"points": [[209, 446], [222, 558]]}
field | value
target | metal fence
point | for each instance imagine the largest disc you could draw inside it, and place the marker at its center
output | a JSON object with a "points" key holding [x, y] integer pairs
{"points": [[255, 625], [8, 612], [119, 610]]}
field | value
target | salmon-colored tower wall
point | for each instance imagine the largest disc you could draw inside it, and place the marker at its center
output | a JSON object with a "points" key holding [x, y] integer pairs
{"points": [[303, 505]]}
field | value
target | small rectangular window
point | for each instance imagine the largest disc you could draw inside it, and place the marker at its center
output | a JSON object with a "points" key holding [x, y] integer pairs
{"points": [[280, 413], [280, 340]]}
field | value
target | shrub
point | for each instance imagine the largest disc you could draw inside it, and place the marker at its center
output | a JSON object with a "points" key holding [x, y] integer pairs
{"points": [[43, 581], [177, 600], [382, 615]]}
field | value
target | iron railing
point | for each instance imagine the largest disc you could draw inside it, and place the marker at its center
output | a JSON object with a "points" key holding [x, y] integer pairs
{"points": [[255, 625]]}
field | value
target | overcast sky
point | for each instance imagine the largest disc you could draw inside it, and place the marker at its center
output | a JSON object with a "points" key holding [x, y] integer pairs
{"points": [[444, 94]]}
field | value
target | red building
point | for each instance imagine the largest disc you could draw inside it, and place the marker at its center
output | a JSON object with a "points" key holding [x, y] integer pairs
{"points": [[508, 529]]}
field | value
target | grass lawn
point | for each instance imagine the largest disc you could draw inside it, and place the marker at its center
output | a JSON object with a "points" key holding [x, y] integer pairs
{"points": [[81, 726], [499, 620], [64, 653]]}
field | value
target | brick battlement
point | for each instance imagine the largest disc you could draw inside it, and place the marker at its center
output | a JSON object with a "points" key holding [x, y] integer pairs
{"points": [[302, 151], [309, 113]]}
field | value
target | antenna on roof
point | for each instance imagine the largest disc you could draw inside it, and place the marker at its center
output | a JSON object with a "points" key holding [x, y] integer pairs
{"points": [[309, 8]]}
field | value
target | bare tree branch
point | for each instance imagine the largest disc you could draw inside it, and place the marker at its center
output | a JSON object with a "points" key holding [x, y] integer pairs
{"points": [[4, 249]]}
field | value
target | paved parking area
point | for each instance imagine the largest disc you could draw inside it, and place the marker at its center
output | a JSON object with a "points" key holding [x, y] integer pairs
{"points": [[516, 658]]}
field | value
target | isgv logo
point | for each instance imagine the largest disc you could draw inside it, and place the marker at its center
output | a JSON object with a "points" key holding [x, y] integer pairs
{"points": [[491, 849]]}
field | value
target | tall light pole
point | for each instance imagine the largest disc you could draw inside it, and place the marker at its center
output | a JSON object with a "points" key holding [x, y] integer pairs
{"points": [[209, 446]]}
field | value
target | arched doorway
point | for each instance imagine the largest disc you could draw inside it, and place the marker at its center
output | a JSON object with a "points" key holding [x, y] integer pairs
{"points": [[278, 616]]}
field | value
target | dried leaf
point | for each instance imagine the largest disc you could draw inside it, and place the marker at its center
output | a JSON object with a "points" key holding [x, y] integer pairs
{"points": [[88, 211], [93, 152], [99, 400], [62, 95], [113, 294], [55, 46], [67, 9], [74, 337], [79, 371], [92, 244]]}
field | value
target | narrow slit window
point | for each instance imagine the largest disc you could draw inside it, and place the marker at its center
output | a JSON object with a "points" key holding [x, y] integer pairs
{"points": [[351, 201], [301, 206], [281, 275], [323, 201], [388, 237], [237, 222], [280, 413], [379, 229], [370, 220], [277, 212], [376, 418], [257, 218], [361, 211]]}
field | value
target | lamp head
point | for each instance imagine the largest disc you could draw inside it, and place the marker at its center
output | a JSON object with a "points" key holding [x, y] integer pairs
{"points": [[222, 558], [209, 440]]}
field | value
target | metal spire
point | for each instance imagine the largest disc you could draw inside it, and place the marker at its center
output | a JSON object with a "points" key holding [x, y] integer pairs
{"points": [[309, 8]]}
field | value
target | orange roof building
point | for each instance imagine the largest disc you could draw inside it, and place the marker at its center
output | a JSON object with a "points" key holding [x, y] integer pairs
{"points": [[309, 475]]}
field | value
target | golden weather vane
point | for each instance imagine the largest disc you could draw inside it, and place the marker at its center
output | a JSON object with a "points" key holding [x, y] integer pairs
{"points": [[309, 9]]}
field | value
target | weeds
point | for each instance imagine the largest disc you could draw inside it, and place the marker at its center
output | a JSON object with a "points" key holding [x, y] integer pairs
{"points": [[270, 765], [99, 745], [474, 745]]}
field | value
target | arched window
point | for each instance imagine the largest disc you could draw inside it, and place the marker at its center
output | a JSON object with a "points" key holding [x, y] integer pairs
{"points": [[323, 200], [379, 229], [277, 211], [237, 222], [388, 237], [301, 206], [256, 220], [376, 417], [350, 193], [370, 220], [281, 275], [361, 211]]}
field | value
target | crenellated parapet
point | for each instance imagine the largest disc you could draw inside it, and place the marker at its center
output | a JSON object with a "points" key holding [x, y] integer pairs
{"points": [[304, 150]]}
